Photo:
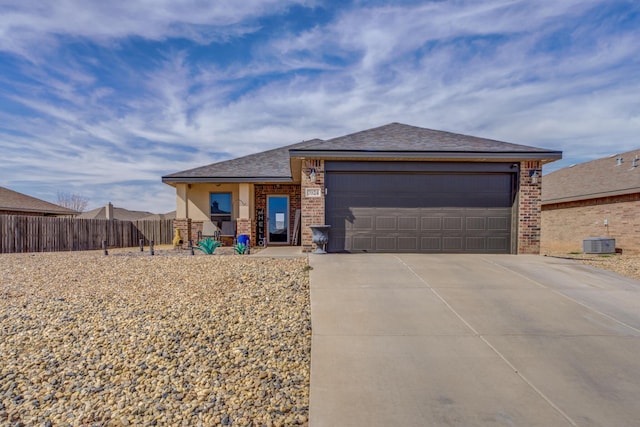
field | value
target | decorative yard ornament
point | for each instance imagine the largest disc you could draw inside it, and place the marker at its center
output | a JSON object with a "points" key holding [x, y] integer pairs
{"points": [[177, 241]]}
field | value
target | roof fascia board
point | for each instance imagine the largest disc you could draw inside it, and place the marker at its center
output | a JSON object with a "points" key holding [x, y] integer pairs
{"points": [[590, 196], [33, 210], [476, 155]]}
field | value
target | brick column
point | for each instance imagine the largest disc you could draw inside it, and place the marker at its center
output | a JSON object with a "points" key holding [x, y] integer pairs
{"points": [[196, 226], [184, 225], [529, 209], [243, 226], [312, 201]]}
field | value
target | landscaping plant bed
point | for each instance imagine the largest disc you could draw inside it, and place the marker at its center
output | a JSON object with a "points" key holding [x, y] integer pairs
{"points": [[124, 339], [625, 264]]}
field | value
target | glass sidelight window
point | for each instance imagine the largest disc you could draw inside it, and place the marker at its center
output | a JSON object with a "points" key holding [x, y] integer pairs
{"points": [[278, 219]]}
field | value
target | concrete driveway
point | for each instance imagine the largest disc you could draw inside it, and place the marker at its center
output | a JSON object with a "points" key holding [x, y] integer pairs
{"points": [[472, 340]]}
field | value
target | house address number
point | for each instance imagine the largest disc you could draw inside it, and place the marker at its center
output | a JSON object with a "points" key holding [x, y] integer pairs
{"points": [[312, 192]]}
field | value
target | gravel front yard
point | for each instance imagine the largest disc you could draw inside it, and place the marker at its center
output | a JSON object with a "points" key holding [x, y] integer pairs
{"points": [[627, 264], [125, 339]]}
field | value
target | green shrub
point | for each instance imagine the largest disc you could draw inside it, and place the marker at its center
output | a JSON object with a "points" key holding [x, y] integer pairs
{"points": [[240, 248], [208, 245]]}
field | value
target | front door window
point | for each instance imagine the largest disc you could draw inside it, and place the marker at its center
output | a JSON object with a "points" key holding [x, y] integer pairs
{"points": [[278, 219]]}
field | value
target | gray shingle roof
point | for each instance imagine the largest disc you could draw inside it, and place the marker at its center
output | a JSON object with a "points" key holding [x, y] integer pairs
{"points": [[393, 140], [400, 137], [597, 178], [13, 201], [271, 165]]}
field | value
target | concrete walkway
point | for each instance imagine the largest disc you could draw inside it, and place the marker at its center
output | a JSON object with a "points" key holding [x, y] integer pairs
{"points": [[472, 340], [279, 252]]}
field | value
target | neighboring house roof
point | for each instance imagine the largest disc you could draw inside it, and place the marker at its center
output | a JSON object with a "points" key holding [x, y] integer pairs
{"points": [[598, 178], [13, 201], [395, 140], [118, 213], [404, 141], [168, 215]]}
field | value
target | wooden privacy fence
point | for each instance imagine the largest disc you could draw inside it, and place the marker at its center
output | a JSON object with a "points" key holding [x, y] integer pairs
{"points": [[21, 233]]}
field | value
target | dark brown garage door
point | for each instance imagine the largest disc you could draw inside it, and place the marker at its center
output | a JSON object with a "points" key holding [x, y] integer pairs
{"points": [[419, 211]]}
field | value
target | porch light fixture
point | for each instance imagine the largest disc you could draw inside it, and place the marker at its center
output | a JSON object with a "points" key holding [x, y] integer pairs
{"points": [[312, 176], [535, 176]]}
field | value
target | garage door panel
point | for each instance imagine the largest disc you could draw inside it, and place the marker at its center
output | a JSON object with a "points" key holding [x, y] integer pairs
{"points": [[408, 243], [386, 243], [452, 244], [362, 223], [498, 223], [386, 223], [476, 243], [431, 244], [452, 223], [498, 244], [419, 213], [362, 243], [431, 223], [476, 223], [408, 223]]}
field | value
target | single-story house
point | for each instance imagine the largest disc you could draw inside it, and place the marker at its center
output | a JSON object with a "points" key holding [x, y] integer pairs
{"points": [[111, 212], [14, 203], [600, 198], [394, 188]]}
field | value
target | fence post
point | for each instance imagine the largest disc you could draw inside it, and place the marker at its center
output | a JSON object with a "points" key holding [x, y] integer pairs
{"points": [[191, 247], [104, 247], [151, 247], [141, 245]]}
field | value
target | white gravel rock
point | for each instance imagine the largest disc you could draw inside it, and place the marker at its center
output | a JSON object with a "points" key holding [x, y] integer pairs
{"points": [[127, 339]]}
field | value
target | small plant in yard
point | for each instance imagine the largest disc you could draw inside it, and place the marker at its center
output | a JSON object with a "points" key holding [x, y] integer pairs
{"points": [[208, 245], [240, 248]]}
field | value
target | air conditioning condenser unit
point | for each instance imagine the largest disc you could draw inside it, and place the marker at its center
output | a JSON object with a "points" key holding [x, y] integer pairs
{"points": [[599, 245]]}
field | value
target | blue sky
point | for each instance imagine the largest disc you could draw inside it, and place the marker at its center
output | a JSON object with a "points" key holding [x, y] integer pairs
{"points": [[102, 98]]}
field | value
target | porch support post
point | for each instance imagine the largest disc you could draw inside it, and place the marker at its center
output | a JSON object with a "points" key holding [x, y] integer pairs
{"points": [[182, 200], [244, 212], [312, 200]]}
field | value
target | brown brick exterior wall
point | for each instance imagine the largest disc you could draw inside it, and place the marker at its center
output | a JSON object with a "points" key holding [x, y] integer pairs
{"points": [[566, 225], [243, 226], [184, 225], [196, 229], [529, 206], [261, 193], [312, 207]]}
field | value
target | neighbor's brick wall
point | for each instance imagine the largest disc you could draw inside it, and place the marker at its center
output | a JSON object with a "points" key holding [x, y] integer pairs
{"points": [[566, 225], [312, 207], [529, 205], [261, 193]]}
